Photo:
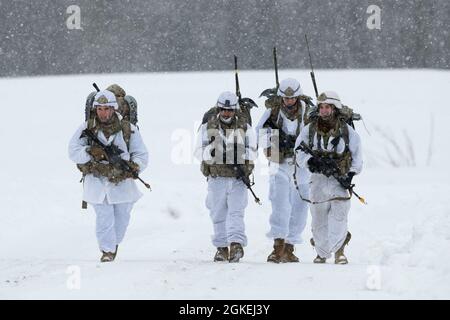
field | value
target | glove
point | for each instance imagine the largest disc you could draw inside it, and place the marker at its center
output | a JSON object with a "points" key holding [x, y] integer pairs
{"points": [[133, 166], [97, 153], [348, 179], [134, 170]]}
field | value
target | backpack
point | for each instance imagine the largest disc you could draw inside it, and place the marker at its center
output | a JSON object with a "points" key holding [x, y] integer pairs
{"points": [[127, 109], [127, 104]]}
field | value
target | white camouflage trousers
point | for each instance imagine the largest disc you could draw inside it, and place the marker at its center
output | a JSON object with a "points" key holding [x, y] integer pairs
{"points": [[111, 224], [226, 200], [329, 219], [289, 212]]}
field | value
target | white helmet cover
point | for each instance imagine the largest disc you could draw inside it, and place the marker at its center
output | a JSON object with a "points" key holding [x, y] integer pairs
{"points": [[105, 98], [227, 100], [329, 97], [289, 88]]}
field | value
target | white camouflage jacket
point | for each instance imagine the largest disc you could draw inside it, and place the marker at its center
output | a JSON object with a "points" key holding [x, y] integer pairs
{"points": [[97, 189]]}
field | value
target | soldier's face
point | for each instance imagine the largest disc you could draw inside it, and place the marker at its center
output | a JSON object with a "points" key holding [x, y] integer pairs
{"points": [[104, 113], [227, 113], [325, 110], [289, 102]]}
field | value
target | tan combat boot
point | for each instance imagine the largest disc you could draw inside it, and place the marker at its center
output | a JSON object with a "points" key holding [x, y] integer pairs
{"points": [[278, 250], [319, 259], [107, 257], [288, 254], [221, 254], [339, 257], [236, 252]]}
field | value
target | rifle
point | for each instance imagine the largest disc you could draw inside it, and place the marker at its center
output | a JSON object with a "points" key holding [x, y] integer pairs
{"points": [[240, 174], [236, 77], [246, 102], [313, 77], [271, 92], [96, 87], [113, 153], [314, 113], [331, 169], [275, 63]]}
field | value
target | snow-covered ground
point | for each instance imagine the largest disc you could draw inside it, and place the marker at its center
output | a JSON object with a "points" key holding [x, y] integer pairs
{"points": [[401, 240]]}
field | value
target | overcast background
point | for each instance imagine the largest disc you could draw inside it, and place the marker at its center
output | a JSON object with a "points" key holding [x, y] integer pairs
{"points": [[172, 35]]}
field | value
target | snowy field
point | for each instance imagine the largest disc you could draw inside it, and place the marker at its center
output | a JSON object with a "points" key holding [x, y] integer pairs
{"points": [[401, 240]]}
